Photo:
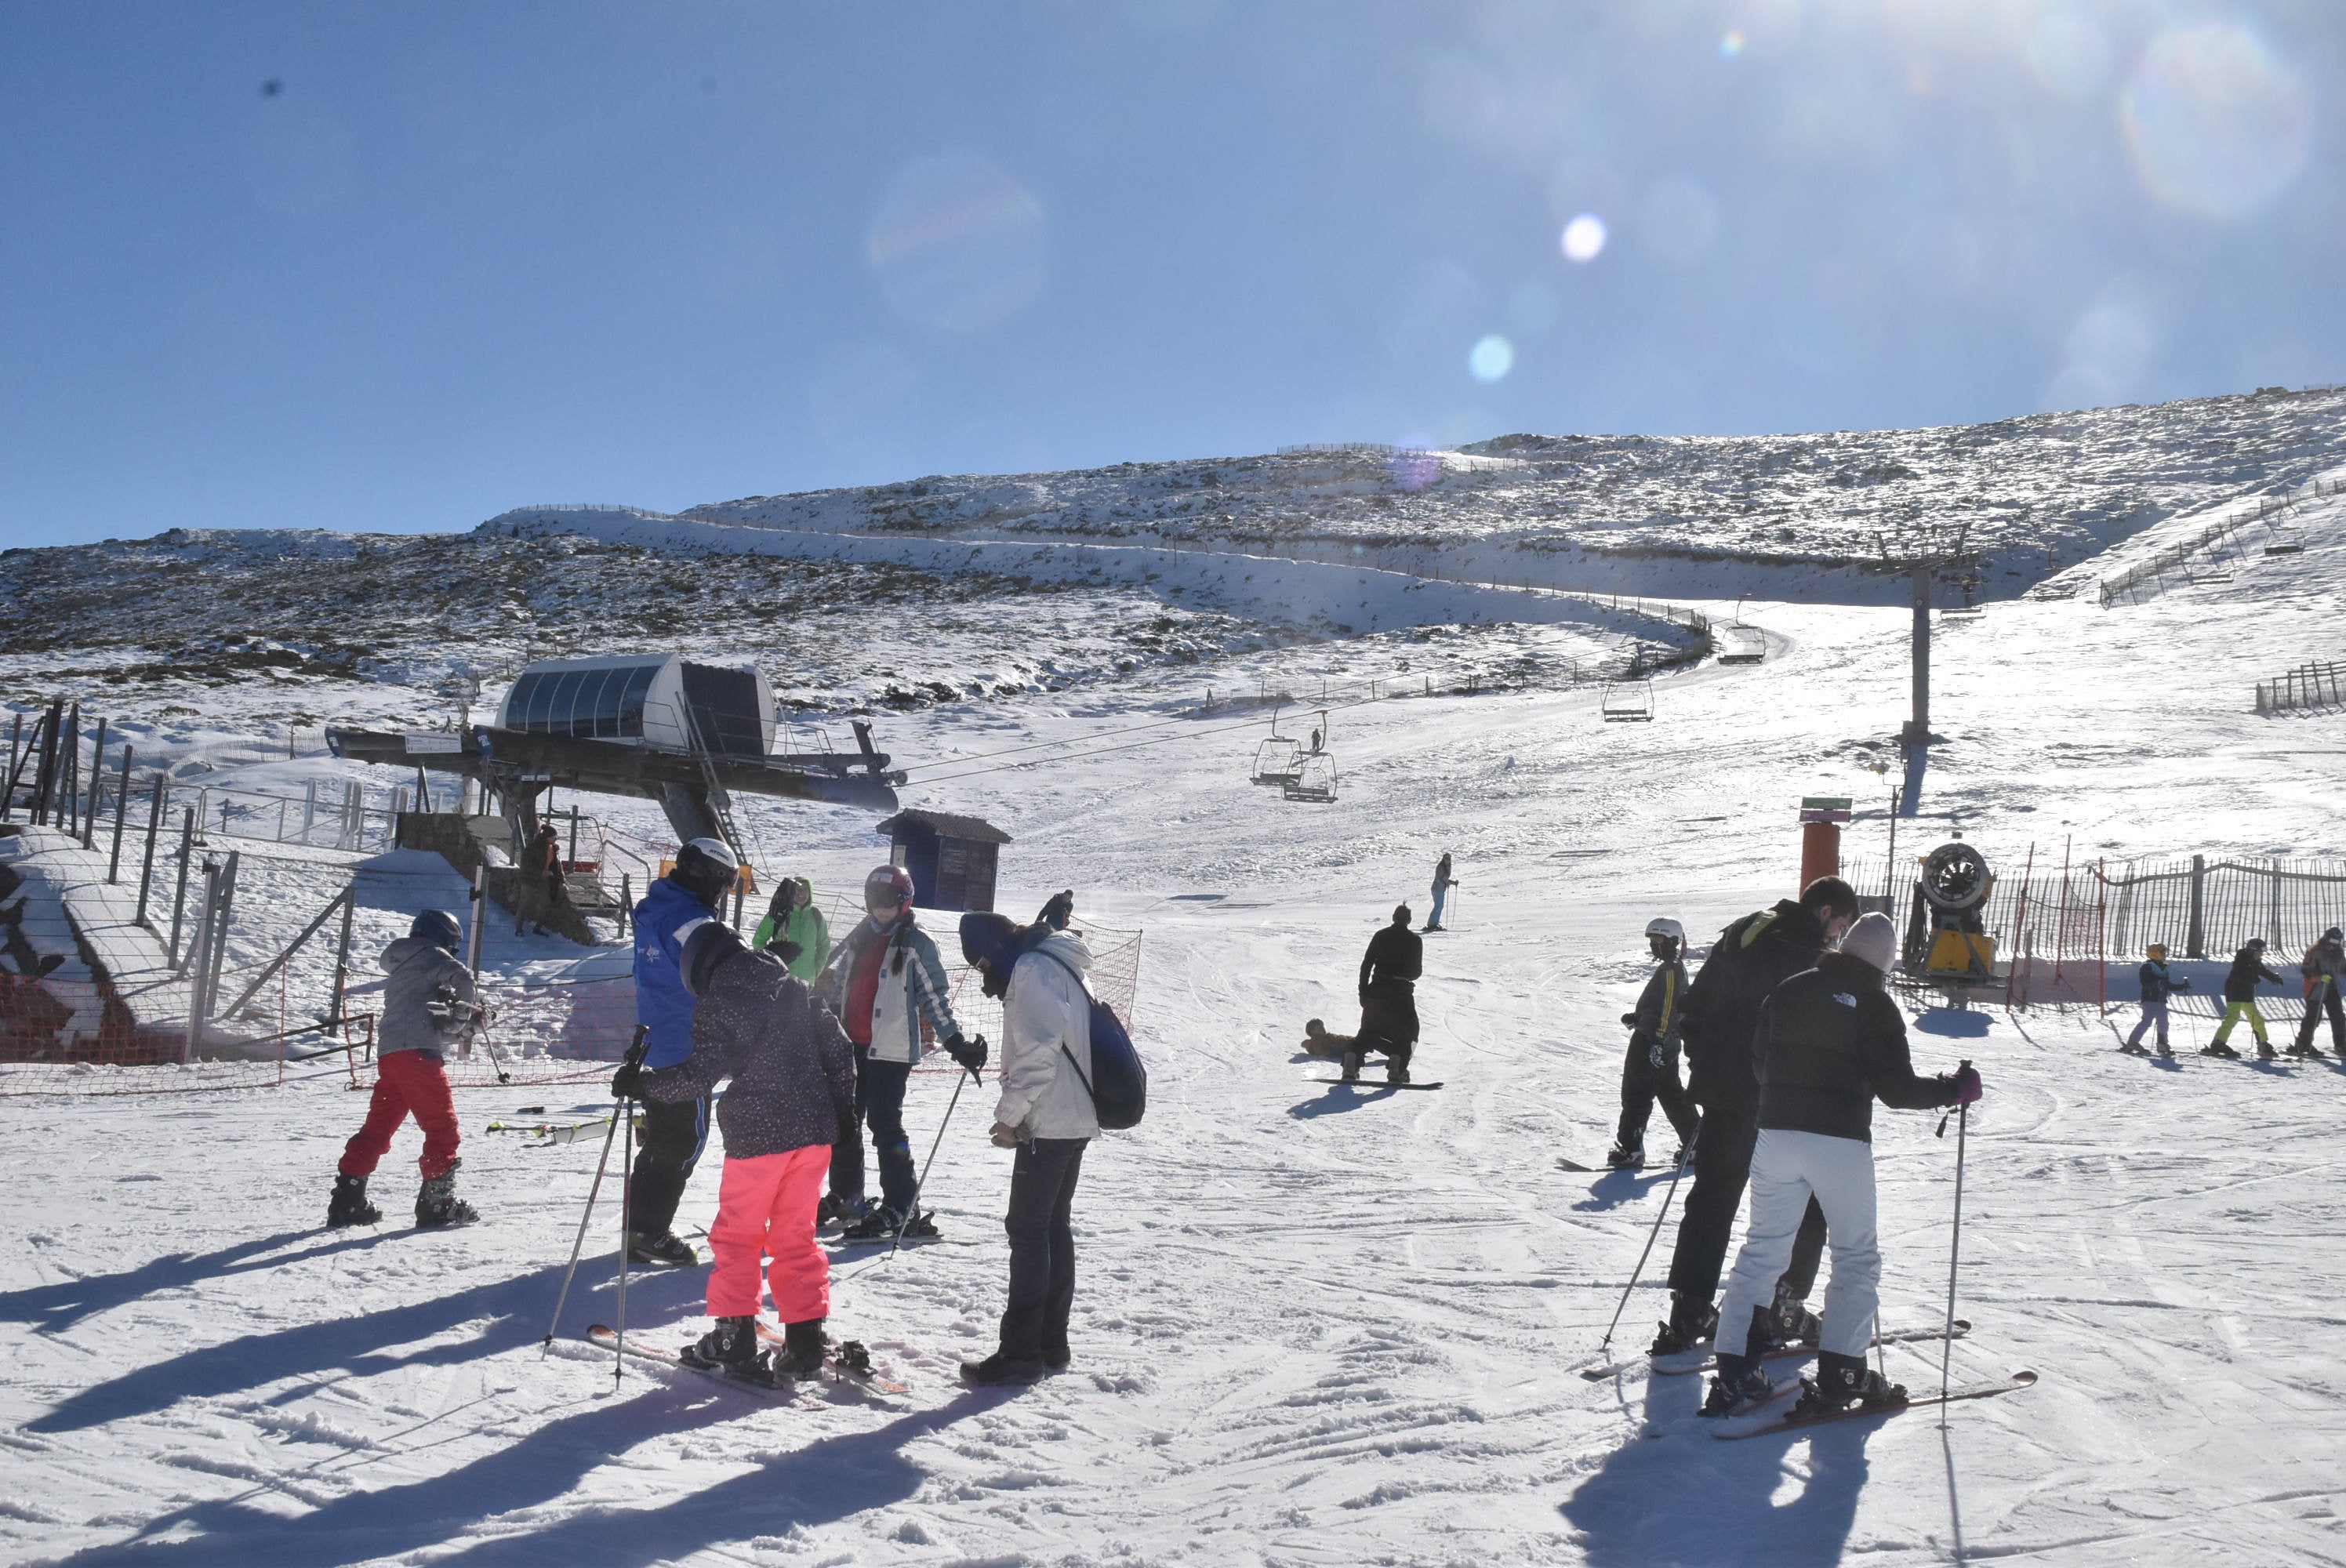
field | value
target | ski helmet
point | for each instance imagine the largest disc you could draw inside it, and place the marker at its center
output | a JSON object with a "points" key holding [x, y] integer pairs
{"points": [[2333, 936], [887, 890], [2157, 950], [705, 867], [2255, 941], [439, 928], [1664, 925]]}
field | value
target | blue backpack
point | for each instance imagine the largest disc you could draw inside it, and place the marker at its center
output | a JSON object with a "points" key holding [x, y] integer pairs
{"points": [[1119, 1084]]}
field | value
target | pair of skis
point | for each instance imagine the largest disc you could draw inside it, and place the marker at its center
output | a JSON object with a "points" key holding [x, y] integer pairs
{"points": [[1699, 1358], [1774, 1416], [847, 1361]]}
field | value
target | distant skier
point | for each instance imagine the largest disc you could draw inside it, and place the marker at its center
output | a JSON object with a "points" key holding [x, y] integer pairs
{"points": [[2324, 970], [793, 1087], [1318, 1041], [674, 1132], [428, 1005], [545, 855], [1389, 974], [1750, 960], [2240, 1000], [1045, 1113], [1649, 1072], [2157, 985], [1058, 910], [1442, 883], [1829, 1042], [886, 984], [792, 918]]}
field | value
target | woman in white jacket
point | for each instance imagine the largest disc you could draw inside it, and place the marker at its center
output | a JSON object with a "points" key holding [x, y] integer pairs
{"points": [[1046, 1113]]}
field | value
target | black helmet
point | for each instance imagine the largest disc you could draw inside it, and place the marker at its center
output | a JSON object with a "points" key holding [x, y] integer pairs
{"points": [[705, 867]]}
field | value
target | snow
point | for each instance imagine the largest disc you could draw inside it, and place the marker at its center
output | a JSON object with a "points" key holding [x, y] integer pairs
{"points": [[1312, 1326]]}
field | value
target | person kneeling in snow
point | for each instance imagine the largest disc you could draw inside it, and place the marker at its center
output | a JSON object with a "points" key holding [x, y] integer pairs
{"points": [[427, 1006], [793, 1090], [1829, 1042], [1318, 1041]]}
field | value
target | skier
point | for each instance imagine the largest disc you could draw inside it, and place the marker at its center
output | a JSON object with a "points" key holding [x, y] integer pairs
{"points": [[1442, 883], [1389, 972], [793, 1087], [2324, 970], [1318, 1041], [886, 985], [1058, 910], [2157, 985], [1045, 1113], [1650, 1070], [793, 919], [1750, 958], [2240, 1000], [428, 1005], [674, 1132], [1829, 1042]]}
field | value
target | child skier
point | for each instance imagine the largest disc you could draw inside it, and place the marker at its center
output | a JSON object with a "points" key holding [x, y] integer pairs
{"points": [[2240, 1000], [427, 1006], [2157, 985], [793, 1088], [1650, 1070]]}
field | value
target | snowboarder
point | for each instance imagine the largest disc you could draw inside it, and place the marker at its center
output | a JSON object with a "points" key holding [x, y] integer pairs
{"points": [[1750, 958], [2324, 970], [1829, 1042], [1318, 1041], [1442, 883], [793, 919], [2240, 1000], [886, 985], [428, 1005], [793, 1087], [674, 1132], [1045, 1113], [2157, 985], [1389, 972], [1650, 1070]]}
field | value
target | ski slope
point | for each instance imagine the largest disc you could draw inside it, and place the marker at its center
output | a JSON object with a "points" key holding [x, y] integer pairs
{"points": [[1317, 1326]]}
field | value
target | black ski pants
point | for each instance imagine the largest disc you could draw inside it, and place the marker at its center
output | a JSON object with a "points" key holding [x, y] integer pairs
{"points": [[1642, 1084], [2326, 997], [1722, 1166], [879, 1104], [1041, 1249], [671, 1144]]}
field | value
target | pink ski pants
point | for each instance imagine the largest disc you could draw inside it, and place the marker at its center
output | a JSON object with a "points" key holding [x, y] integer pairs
{"points": [[765, 1207]]}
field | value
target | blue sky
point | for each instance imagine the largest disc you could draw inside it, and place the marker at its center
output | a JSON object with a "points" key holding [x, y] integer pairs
{"points": [[398, 267]]}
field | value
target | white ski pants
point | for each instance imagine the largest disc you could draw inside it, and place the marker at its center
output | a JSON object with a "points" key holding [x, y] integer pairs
{"points": [[1786, 1169]]}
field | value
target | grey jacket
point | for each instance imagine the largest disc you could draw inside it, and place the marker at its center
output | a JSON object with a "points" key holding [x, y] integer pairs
{"points": [[792, 1068], [422, 977]]}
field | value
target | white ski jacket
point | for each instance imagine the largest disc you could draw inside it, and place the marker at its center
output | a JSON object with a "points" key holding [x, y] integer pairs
{"points": [[1045, 1020]]}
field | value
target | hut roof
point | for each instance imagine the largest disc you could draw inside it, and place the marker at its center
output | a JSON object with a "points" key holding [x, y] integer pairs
{"points": [[945, 825]]}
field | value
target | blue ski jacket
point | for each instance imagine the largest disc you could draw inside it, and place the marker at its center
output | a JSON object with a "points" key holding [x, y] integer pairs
{"points": [[662, 1004]]}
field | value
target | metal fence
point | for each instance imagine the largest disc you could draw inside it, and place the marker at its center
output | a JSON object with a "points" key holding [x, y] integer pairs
{"points": [[2307, 685], [2128, 582]]}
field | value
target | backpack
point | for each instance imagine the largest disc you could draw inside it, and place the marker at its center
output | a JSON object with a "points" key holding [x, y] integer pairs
{"points": [[1119, 1086]]}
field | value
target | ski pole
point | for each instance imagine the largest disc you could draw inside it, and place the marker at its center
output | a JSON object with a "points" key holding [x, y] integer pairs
{"points": [[635, 1054], [942, 1123], [627, 1224], [1955, 1246], [1638, 1272]]}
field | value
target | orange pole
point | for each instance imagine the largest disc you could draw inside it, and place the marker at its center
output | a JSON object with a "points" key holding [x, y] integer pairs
{"points": [[1820, 851]]}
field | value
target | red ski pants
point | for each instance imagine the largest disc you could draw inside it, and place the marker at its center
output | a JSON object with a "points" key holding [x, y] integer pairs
{"points": [[765, 1207], [406, 1081]]}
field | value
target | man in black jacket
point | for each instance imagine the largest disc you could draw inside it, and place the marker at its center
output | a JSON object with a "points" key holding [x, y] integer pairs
{"points": [[1389, 972], [1750, 958], [1829, 1042]]}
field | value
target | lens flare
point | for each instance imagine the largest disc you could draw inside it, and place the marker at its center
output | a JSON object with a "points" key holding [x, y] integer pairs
{"points": [[1491, 358], [1730, 44], [957, 245], [1583, 238], [2216, 125]]}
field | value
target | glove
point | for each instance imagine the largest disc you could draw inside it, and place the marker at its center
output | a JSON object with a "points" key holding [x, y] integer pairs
{"points": [[1963, 1087], [970, 1053], [1006, 1136], [785, 950], [1630, 1019], [1659, 1057], [2182, 985], [627, 1082]]}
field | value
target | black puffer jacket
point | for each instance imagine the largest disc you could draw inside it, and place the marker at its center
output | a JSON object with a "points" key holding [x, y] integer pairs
{"points": [[2248, 968], [1750, 958], [1830, 1043], [793, 1071]]}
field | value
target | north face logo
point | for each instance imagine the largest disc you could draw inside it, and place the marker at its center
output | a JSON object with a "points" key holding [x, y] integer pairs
{"points": [[1844, 997]]}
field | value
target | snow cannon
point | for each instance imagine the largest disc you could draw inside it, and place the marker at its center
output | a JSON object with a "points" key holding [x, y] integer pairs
{"points": [[1946, 937]]}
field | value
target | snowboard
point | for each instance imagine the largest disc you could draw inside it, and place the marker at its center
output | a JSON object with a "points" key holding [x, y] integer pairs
{"points": [[603, 1335], [1366, 1083], [1784, 1422]]}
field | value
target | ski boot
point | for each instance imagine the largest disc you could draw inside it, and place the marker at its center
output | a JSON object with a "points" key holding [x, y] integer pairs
{"points": [[1000, 1367], [732, 1348], [1693, 1320], [662, 1251], [1841, 1383], [802, 1352], [2265, 1052], [437, 1203], [878, 1224], [1349, 1069], [2217, 1048], [1739, 1387], [1787, 1321], [1626, 1157], [2306, 1050], [349, 1206], [2165, 1049], [2133, 1048], [831, 1211]]}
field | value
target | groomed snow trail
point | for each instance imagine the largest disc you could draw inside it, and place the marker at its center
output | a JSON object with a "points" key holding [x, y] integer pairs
{"points": [[1313, 1326]]}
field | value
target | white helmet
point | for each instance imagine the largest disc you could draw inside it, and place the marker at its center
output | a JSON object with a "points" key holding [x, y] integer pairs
{"points": [[1663, 925]]}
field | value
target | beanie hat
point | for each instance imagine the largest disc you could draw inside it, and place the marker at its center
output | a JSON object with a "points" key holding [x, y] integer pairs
{"points": [[708, 945], [439, 928], [993, 938], [1872, 939]]}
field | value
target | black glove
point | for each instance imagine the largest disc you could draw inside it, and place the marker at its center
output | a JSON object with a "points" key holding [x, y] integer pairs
{"points": [[787, 950], [970, 1053], [2182, 985], [1630, 1019], [627, 1082], [849, 1130]]}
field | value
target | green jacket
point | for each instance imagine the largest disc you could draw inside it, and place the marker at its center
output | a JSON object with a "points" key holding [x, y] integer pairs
{"points": [[804, 925]]}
